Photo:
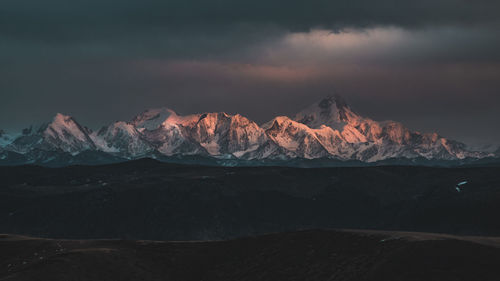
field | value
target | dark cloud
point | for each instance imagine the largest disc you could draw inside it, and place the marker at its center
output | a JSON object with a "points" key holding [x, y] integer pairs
{"points": [[34, 30], [104, 23], [434, 65], [292, 14]]}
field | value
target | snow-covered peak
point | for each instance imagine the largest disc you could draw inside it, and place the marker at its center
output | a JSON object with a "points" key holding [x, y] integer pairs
{"points": [[156, 118], [122, 138], [63, 126], [119, 127], [331, 111], [152, 119], [221, 133], [283, 121], [212, 118], [62, 133], [5, 139], [297, 138], [179, 120]]}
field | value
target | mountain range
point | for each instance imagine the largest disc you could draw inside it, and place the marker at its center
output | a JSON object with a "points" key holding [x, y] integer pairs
{"points": [[327, 130]]}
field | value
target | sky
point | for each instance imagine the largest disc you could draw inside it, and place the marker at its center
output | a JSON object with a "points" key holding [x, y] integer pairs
{"points": [[433, 65]]}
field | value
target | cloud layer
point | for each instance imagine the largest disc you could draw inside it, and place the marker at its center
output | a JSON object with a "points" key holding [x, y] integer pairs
{"points": [[434, 65]]}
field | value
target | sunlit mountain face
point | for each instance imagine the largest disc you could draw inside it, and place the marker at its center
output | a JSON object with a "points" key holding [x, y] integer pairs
{"points": [[327, 129]]}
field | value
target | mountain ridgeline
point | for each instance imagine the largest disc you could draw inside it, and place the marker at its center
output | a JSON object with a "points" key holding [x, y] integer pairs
{"points": [[327, 130]]}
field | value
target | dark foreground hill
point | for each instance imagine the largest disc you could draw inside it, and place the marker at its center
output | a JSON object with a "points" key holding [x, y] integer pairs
{"points": [[157, 201], [307, 255]]}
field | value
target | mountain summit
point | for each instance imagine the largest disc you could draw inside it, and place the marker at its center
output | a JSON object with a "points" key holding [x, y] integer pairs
{"points": [[327, 129], [331, 111], [62, 134]]}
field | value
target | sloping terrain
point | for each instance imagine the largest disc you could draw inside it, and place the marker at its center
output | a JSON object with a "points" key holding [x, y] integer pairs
{"points": [[307, 255], [146, 199]]}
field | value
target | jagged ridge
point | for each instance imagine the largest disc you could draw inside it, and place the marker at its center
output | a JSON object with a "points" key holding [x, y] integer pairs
{"points": [[326, 129]]}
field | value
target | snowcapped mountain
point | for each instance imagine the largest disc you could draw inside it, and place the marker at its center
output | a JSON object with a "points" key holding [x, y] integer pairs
{"points": [[332, 111], [167, 132], [215, 134], [63, 133], [328, 129], [121, 138], [66, 134], [298, 139], [222, 134], [373, 141], [5, 139]]}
